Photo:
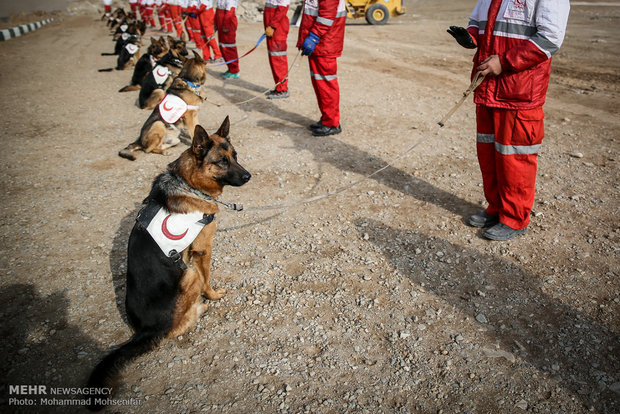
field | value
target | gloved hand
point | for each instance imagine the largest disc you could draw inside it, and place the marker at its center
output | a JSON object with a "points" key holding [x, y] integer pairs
{"points": [[462, 36], [269, 31], [309, 44]]}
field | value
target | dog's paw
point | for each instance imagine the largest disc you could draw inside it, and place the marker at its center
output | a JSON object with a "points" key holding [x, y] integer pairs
{"points": [[216, 294]]}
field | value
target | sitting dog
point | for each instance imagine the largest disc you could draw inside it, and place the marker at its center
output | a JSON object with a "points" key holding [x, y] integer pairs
{"points": [[146, 63], [129, 54], [169, 249], [161, 77], [176, 113]]}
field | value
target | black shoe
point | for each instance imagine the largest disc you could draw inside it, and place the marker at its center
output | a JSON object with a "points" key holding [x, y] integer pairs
{"points": [[277, 94], [502, 232], [482, 220], [316, 125], [325, 130]]}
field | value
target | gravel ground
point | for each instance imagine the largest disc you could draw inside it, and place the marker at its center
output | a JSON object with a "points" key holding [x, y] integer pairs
{"points": [[379, 299]]}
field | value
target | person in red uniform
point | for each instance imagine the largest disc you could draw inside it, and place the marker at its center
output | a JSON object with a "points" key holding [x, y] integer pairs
{"points": [[206, 17], [175, 14], [515, 40], [133, 4], [107, 6], [321, 38], [276, 25], [226, 23], [193, 23]]}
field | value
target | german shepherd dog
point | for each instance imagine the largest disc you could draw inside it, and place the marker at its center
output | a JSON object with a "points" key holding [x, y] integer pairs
{"points": [[128, 55], [164, 289], [157, 135], [152, 91], [146, 63]]}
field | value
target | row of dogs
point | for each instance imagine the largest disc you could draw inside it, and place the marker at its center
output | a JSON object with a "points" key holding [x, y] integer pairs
{"points": [[163, 72], [169, 248]]}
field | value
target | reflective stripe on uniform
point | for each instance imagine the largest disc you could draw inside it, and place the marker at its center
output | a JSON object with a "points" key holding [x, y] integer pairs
{"points": [[485, 138], [326, 22], [328, 78], [228, 45], [547, 46], [516, 149], [277, 53]]}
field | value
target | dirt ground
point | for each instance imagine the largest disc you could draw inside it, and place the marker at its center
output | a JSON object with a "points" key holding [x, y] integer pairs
{"points": [[377, 300]]}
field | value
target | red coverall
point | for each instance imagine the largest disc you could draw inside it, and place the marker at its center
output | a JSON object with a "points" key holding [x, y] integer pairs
{"points": [[275, 16], [148, 12], [226, 23], [206, 17], [193, 24], [133, 4], [165, 19], [326, 19], [509, 113], [175, 13]]}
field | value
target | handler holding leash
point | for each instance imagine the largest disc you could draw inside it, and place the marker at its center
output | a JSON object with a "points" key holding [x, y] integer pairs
{"points": [[321, 38], [226, 23], [276, 25], [515, 41]]}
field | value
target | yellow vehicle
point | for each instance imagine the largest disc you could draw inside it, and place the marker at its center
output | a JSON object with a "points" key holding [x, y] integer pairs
{"points": [[375, 11]]}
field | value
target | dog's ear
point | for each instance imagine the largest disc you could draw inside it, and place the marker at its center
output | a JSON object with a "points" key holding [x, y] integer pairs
{"points": [[201, 143], [224, 129], [153, 40], [197, 57], [170, 40]]}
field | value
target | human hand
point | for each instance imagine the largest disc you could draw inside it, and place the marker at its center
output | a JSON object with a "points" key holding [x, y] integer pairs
{"points": [[490, 65], [462, 36], [309, 44], [269, 31]]}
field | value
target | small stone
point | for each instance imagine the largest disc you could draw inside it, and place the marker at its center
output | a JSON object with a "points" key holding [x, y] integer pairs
{"points": [[576, 154], [522, 404], [481, 318]]}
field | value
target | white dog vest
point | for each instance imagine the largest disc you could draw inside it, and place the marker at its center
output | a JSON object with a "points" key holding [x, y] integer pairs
{"points": [[172, 108]]}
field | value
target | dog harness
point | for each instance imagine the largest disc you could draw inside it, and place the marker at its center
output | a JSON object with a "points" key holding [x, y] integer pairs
{"points": [[173, 232], [172, 108], [160, 73], [131, 48]]}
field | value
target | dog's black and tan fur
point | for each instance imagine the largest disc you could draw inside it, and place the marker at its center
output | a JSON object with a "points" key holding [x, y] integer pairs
{"points": [[126, 59], [144, 66], [151, 93], [156, 135], [164, 299]]}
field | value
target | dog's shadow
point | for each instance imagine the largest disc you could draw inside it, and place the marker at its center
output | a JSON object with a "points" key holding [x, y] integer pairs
{"points": [[118, 259]]}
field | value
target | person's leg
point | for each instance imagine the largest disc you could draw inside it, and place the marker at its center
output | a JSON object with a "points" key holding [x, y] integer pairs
{"points": [[324, 75]]}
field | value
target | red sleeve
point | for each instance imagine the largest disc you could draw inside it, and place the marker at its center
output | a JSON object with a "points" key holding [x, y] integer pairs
{"points": [[522, 57], [473, 32], [327, 14]]}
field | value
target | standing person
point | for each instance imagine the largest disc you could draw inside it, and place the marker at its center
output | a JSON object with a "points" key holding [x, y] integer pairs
{"points": [[515, 41], [133, 5], [149, 7], [321, 38], [175, 14], [206, 16], [194, 24], [107, 6], [184, 7], [276, 25], [226, 23]]}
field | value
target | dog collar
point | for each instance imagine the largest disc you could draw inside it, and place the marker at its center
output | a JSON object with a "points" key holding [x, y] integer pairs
{"points": [[197, 192], [195, 87]]}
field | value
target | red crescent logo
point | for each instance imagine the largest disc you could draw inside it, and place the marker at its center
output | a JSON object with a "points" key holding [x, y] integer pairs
{"points": [[167, 109], [160, 74], [164, 229]]}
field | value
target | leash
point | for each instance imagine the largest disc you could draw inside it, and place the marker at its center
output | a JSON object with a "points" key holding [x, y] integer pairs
{"points": [[290, 68], [260, 39], [474, 84], [478, 78]]}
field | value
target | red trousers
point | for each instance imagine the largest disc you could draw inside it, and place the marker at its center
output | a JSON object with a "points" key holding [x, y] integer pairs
{"points": [[165, 19], [226, 22], [324, 76], [134, 8], [175, 14], [148, 16], [194, 25], [206, 18], [507, 144], [276, 48]]}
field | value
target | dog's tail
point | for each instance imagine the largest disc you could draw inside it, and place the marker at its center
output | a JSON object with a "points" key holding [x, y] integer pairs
{"points": [[129, 151], [107, 370], [108, 54], [129, 88], [106, 70]]}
